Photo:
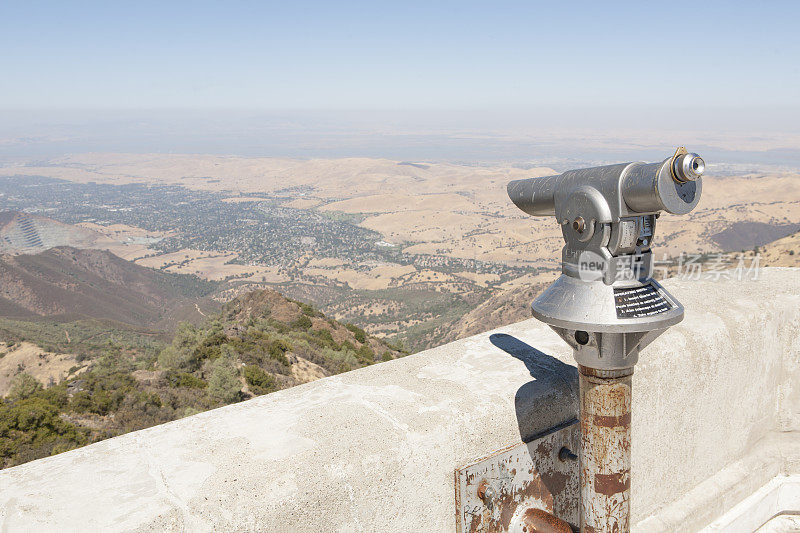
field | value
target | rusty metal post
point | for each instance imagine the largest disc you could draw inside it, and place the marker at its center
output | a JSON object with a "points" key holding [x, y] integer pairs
{"points": [[605, 453]]}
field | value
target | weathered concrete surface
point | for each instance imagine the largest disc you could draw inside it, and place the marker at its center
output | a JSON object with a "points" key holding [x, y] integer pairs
{"points": [[780, 496], [375, 449]]}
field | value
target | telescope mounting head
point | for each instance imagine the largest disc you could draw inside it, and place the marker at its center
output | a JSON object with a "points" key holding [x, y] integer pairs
{"points": [[608, 219], [608, 214]]}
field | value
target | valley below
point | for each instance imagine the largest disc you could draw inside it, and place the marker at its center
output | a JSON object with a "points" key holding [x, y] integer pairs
{"points": [[137, 289]]}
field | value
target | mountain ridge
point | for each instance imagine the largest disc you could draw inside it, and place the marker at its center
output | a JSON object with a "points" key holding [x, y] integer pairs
{"points": [[95, 284]]}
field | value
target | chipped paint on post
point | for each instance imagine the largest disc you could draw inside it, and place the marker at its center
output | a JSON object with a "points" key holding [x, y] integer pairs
{"points": [[501, 492], [605, 452]]}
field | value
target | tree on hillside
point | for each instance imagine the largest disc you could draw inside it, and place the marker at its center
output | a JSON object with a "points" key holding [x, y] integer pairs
{"points": [[223, 384], [23, 386]]}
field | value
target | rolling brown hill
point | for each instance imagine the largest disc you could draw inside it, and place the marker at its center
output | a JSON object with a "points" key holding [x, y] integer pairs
{"points": [[27, 233], [68, 282], [784, 252]]}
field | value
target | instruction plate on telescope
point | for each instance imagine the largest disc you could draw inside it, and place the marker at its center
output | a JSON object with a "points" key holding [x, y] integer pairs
{"points": [[640, 302]]}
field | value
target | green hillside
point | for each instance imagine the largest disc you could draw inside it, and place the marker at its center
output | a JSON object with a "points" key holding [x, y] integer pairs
{"points": [[259, 343]]}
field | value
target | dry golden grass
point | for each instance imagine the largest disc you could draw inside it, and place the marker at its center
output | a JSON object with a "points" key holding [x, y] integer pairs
{"points": [[28, 358], [304, 370], [211, 266], [127, 242], [303, 203], [782, 253], [480, 279], [379, 277], [160, 260]]}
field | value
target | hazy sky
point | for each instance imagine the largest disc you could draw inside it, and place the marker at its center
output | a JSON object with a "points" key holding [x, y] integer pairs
{"points": [[333, 55]]}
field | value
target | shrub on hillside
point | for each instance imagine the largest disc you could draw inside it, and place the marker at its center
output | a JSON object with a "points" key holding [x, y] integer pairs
{"points": [[334, 357], [140, 409], [365, 355], [210, 346], [398, 347], [55, 395], [187, 336], [185, 379], [359, 334], [302, 323], [33, 428], [308, 310], [259, 381], [323, 338], [223, 383], [102, 393], [172, 358], [191, 346], [278, 349]]}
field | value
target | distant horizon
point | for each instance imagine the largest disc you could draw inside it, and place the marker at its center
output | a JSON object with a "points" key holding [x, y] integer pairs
{"points": [[559, 135]]}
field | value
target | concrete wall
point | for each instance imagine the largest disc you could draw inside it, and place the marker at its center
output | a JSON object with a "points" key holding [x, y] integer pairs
{"points": [[716, 415]]}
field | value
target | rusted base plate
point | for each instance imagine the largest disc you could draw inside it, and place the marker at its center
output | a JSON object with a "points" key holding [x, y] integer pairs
{"points": [[493, 493]]}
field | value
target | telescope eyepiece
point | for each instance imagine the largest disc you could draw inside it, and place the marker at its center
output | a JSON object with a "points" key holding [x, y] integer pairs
{"points": [[688, 167]]}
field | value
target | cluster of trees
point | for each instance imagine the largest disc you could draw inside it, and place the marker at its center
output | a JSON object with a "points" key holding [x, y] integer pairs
{"points": [[31, 425], [225, 360]]}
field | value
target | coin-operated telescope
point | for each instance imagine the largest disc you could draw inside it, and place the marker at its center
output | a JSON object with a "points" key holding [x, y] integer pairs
{"points": [[606, 305]]}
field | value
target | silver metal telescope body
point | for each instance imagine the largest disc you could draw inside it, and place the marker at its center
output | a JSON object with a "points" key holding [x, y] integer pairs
{"points": [[606, 305]]}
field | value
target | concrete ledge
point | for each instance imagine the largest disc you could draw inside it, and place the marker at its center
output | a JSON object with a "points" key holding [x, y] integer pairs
{"points": [[375, 449], [781, 495], [767, 461]]}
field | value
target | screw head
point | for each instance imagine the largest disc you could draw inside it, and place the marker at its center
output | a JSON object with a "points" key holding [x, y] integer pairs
{"points": [[565, 454], [486, 493]]}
